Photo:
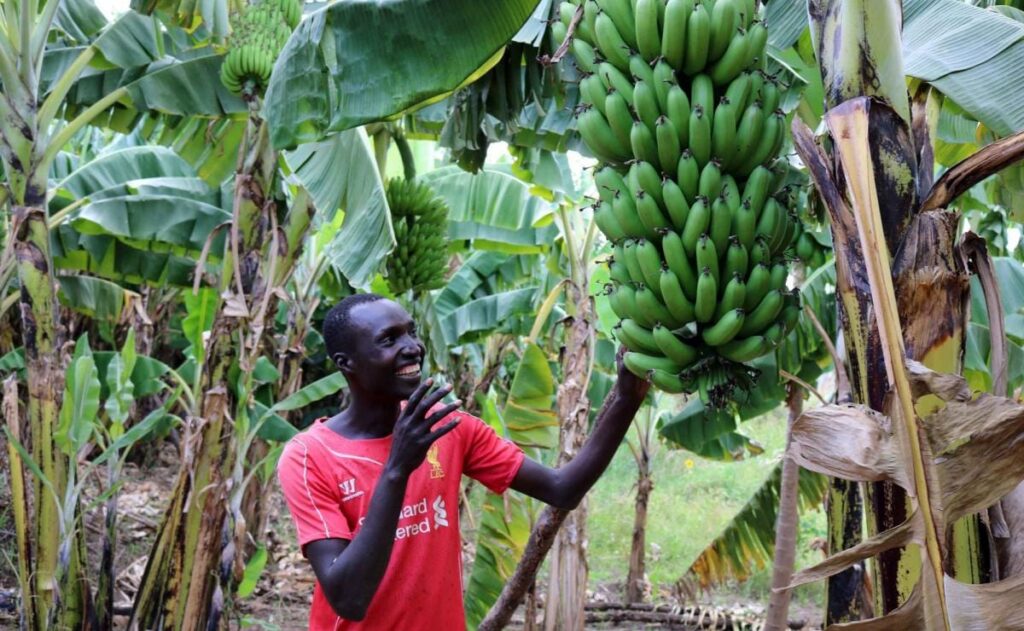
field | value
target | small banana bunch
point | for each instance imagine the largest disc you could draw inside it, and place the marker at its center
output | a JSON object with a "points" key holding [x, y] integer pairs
{"points": [[420, 220], [678, 107], [257, 36]]}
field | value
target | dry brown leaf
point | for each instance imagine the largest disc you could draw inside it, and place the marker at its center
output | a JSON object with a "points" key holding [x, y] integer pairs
{"points": [[985, 607], [852, 442], [924, 381]]}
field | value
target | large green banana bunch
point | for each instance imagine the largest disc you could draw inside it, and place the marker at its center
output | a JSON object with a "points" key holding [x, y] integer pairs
{"points": [[257, 36], [420, 219], [677, 105]]}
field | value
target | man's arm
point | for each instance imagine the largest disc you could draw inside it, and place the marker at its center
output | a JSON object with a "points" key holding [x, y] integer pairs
{"points": [[566, 486], [350, 572]]}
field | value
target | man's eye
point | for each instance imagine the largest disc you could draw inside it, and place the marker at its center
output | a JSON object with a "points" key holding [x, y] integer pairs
{"points": [[387, 341]]}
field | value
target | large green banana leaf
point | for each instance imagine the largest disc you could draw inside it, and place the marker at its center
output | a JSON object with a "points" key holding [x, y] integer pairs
{"points": [[529, 420], [484, 315], [340, 173], [1010, 277], [494, 209], [355, 62], [972, 55], [146, 218], [468, 280], [748, 541]]}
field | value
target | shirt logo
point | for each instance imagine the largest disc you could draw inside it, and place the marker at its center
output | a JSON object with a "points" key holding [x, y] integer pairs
{"points": [[435, 465], [348, 489], [440, 513]]}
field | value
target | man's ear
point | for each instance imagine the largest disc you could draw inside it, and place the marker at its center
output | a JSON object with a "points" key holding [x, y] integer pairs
{"points": [[343, 361]]}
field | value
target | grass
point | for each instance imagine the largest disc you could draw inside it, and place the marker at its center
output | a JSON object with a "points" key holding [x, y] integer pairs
{"points": [[689, 506]]}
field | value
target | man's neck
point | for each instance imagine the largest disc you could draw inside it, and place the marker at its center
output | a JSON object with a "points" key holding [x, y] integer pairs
{"points": [[365, 418]]}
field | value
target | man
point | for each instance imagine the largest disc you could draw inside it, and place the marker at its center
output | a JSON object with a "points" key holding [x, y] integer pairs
{"points": [[374, 490]]}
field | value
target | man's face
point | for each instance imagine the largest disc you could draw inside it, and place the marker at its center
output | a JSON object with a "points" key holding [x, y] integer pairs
{"points": [[386, 356]]}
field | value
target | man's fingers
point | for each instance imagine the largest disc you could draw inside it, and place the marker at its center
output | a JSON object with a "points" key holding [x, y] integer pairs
{"points": [[430, 400], [443, 412], [433, 436], [418, 393]]}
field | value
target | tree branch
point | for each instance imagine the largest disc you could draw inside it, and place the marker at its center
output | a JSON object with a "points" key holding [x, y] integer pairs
{"points": [[969, 171]]}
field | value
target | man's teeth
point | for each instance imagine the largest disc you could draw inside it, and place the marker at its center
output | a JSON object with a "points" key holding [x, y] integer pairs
{"points": [[409, 370]]}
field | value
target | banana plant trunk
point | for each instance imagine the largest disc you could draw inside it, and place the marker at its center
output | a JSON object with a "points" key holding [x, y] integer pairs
{"points": [[567, 588], [858, 45], [635, 578], [202, 540]]}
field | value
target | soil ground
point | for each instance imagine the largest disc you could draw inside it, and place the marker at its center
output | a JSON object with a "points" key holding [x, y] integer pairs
{"points": [[282, 595]]}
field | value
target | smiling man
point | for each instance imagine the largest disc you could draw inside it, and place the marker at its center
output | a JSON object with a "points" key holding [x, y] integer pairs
{"points": [[374, 490]]}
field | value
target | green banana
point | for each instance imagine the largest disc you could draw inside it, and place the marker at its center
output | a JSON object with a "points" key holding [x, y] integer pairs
{"points": [[610, 42], [645, 102], [621, 14], [707, 297], [638, 338], [622, 299], [751, 126], [648, 303], [617, 267], [700, 135], [721, 224], [772, 135], [764, 314], [779, 276], [710, 183], [644, 146], [680, 263], [696, 224], [640, 69], [624, 209], [663, 80], [675, 203], [674, 348], [606, 222], [585, 55], [674, 295], [757, 36], [770, 95], [724, 329], [738, 91], [736, 259], [706, 256], [756, 190], [651, 217], [744, 223], [769, 222], [673, 39], [599, 137], [679, 113], [614, 79], [733, 61], [640, 364], [608, 182], [688, 174], [698, 33], [592, 91], [702, 93], [806, 246], [619, 117], [723, 133], [745, 349], [759, 253], [649, 261], [733, 295], [724, 21], [648, 37], [758, 284], [631, 262], [668, 382], [644, 177], [667, 138]]}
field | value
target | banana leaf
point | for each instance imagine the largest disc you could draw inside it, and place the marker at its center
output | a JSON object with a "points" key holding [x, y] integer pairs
{"points": [[356, 62], [753, 528], [494, 209], [340, 173]]}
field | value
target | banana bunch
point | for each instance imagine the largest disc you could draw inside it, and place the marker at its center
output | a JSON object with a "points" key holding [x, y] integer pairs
{"points": [[257, 36], [420, 220], [676, 103], [808, 250]]}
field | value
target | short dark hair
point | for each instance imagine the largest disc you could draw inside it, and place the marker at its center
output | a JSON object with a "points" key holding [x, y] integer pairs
{"points": [[337, 329]]}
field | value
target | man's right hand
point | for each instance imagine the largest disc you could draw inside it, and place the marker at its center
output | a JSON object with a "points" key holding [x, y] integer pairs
{"points": [[412, 435]]}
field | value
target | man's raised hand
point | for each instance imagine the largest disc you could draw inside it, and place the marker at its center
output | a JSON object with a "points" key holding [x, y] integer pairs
{"points": [[413, 436]]}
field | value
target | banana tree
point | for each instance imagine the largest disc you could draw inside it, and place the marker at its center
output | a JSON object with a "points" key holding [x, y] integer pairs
{"points": [[911, 235]]}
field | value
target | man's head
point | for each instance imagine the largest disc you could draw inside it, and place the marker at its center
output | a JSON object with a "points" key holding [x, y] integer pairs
{"points": [[373, 341]]}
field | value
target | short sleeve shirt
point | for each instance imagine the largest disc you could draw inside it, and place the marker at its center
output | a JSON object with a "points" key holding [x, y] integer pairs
{"points": [[328, 481]]}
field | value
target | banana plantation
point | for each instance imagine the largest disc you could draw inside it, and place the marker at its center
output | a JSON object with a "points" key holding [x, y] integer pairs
{"points": [[804, 214]]}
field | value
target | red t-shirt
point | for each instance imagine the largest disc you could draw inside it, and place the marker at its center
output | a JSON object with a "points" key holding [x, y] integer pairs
{"points": [[328, 481]]}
